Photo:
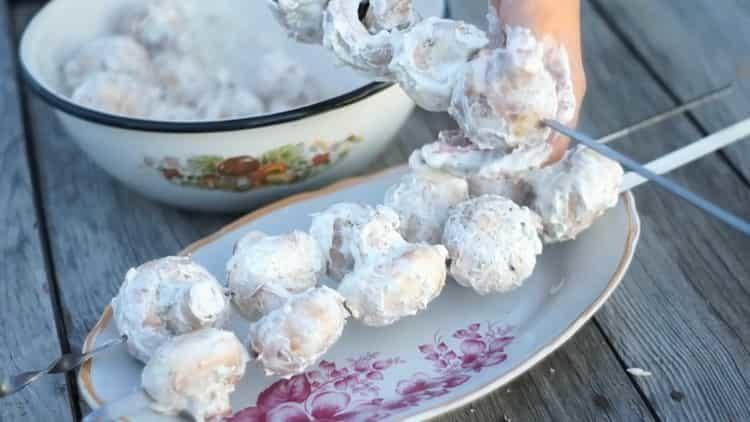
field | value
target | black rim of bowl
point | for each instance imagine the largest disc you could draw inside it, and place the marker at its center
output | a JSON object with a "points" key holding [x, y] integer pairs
{"points": [[251, 122]]}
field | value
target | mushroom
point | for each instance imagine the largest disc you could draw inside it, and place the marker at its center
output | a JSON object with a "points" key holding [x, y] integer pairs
{"points": [[493, 244], [294, 336], [428, 60], [165, 298], [196, 373], [265, 271]]}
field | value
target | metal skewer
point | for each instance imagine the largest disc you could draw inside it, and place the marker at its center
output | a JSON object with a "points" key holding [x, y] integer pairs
{"points": [[660, 117], [690, 153], [663, 182], [65, 363]]}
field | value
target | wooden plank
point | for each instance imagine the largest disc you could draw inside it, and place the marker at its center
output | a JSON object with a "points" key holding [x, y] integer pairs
{"points": [[683, 311], [28, 333], [693, 46]]}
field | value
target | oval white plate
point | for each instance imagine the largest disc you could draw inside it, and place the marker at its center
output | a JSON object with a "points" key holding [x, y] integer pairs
{"points": [[463, 347]]}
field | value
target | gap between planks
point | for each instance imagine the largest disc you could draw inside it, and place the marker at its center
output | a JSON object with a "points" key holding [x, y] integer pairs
{"points": [[14, 13]]}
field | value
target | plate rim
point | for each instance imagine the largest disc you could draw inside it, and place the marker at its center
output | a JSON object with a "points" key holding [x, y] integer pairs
{"points": [[90, 396]]}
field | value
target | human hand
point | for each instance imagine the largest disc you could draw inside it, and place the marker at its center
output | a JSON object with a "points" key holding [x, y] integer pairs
{"points": [[560, 20]]}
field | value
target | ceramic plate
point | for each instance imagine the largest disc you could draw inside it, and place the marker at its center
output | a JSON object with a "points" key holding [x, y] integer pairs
{"points": [[462, 348]]}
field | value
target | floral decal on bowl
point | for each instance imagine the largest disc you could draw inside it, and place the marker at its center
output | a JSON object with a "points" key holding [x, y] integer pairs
{"points": [[354, 392], [281, 166]]}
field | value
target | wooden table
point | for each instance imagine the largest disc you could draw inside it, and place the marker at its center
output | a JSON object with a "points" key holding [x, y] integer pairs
{"points": [[70, 232]]}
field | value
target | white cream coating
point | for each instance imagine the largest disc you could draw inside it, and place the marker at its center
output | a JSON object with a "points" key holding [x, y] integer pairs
{"points": [[494, 26], [164, 298], [293, 337], [389, 15], [284, 83], [391, 287], [118, 93], [183, 77], [422, 199], [503, 94], [157, 24], [351, 233], [109, 54], [352, 42], [493, 244], [453, 153], [229, 101], [196, 372], [501, 176], [428, 60], [265, 270], [571, 194], [302, 19]]}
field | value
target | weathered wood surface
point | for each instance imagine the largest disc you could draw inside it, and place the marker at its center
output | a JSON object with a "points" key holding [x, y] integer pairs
{"points": [[692, 46], [28, 337], [682, 312], [684, 308]]}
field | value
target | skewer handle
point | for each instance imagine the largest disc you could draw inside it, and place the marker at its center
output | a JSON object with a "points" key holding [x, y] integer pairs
{"points": [[690, 153]]}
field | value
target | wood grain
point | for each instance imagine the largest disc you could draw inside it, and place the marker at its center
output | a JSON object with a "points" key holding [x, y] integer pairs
{"points": [[692, 46], [683, 311], [28, 333]]}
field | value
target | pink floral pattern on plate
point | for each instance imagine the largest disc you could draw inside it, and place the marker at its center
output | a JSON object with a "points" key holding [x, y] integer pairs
{"points": [[353, 392]]}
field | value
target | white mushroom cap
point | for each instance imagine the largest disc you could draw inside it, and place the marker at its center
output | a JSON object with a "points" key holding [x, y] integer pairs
{"points": [[352, 42], [302, 19], [430, 57], [284, 83], [293, 337], [501, 176], [109, 54], [350, 233], [157, 24], [184, 78], [493, 244], [165, 298], [196, 372], [571, 194], [229, 101], [265, 270], [453, 153], [422, 199], [389, 288], [117, 93], [503, 94], [389, 15]]}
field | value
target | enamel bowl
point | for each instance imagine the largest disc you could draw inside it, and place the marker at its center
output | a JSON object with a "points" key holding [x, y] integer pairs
{"points": [[201, 165], [463, 347]]}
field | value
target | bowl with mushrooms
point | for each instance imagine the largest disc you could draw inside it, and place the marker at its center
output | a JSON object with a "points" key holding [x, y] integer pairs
{"points": [[209, 106]]}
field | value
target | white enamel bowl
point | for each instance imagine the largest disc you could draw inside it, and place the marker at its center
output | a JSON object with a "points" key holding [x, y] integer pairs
{"points": [[197, 165], [462, 348]]}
